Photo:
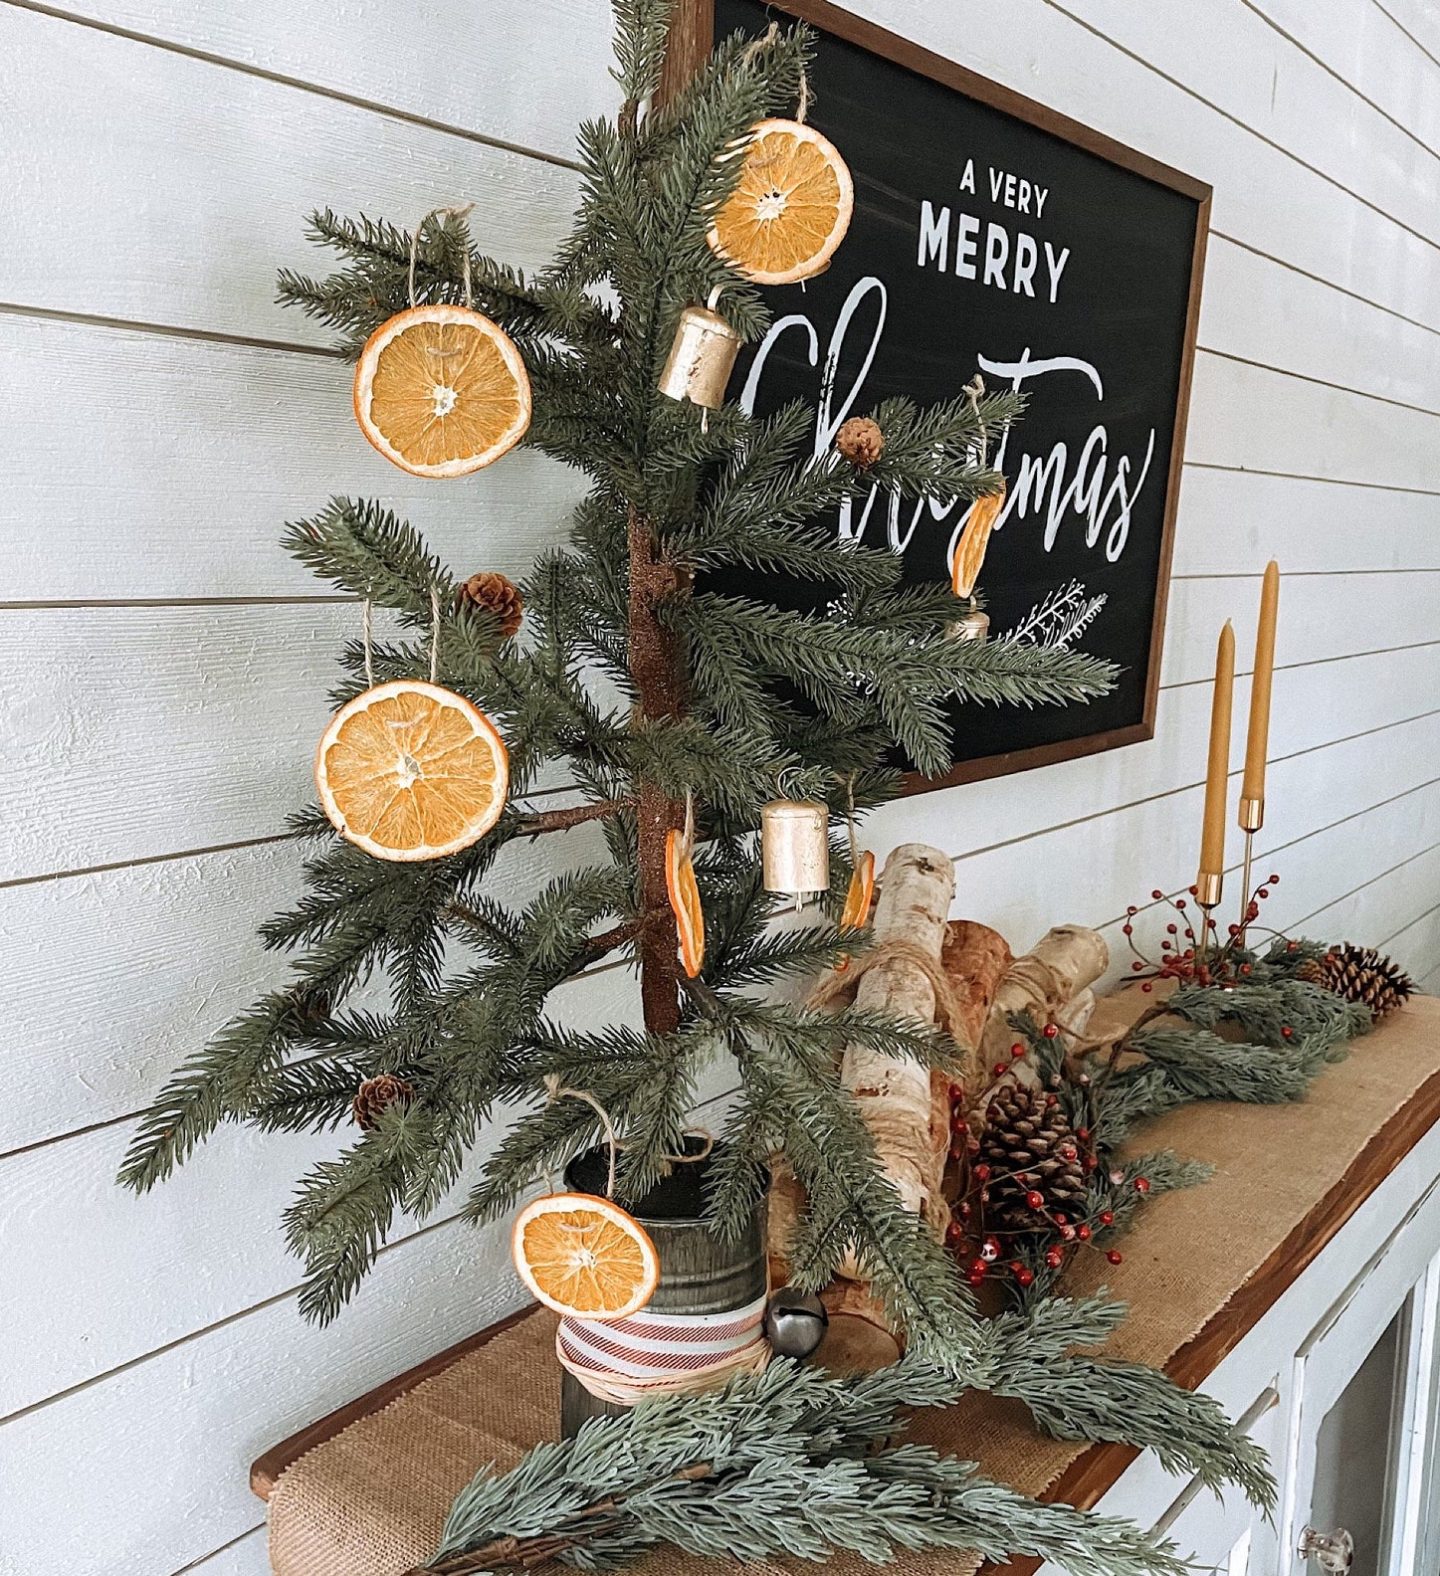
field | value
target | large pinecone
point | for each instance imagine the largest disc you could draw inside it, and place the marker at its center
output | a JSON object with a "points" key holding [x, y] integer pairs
{"points": [[1030, 1147], [1360, 974]]}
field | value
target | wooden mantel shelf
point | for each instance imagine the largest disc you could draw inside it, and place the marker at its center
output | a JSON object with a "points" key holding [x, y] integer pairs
{"points": [[1391, 1085]]}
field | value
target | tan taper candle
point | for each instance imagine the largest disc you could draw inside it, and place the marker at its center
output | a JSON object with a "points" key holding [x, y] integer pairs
{"points": [[1257, 743], [1212, 839]]}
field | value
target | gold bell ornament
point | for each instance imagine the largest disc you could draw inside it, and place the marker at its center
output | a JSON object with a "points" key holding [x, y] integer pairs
{"points": [[973, 625], [795, 847], [702, 357]]}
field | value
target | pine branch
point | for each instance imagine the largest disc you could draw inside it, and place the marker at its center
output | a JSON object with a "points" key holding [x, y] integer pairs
{"points": [[791, 1461]]}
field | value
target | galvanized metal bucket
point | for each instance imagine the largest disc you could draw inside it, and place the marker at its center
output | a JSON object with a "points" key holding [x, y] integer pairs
{"points": [[698, 1272]]}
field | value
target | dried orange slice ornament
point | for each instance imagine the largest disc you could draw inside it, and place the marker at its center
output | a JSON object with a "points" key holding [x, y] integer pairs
{"points": [[441, 391], [685, 902], [791, 208], [862, 888], [584, 1256], [974, 539], [411, 771]]}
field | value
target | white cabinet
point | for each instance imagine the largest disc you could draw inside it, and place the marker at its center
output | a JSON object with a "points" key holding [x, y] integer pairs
{"points": [[1340, 1382]]}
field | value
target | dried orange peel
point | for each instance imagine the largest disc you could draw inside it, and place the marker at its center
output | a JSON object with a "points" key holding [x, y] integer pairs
{"points": [[441, 391], [584, 1256], [856, 912], [410, 771], [685, 902], [791, 208], [974, 539]]}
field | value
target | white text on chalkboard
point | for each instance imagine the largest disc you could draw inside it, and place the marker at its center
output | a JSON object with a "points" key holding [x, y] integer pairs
{"points": [[1003, 262]]}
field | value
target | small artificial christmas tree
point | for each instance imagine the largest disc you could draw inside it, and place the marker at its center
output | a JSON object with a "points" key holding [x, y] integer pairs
{"points": [[659, 693]]}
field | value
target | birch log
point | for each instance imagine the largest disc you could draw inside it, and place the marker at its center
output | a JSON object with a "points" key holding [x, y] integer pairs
{"points": [[893, 1093], [1061, 964]]}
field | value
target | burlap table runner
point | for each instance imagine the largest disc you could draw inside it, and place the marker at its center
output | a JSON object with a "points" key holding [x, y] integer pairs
{"points": [[370, 1501]]}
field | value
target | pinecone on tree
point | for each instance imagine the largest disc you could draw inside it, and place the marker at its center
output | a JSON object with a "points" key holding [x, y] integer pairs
{"points": [[375, 1094], [1030, 1148], [861, 441], [1360, 974], [497, 594]]}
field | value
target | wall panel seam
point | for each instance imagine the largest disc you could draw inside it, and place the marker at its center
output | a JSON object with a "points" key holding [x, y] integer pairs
{"points": [[128, 325], [1410, 924], [1400, 26], [341, 598], [1346, 896], [220, 1548], [1314, 662], [214, 848], [1309, 377], [1320, 279], [1301, 476]]}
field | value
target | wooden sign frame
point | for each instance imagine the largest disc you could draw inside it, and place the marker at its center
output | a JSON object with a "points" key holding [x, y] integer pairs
{"points": [[691, 39]]}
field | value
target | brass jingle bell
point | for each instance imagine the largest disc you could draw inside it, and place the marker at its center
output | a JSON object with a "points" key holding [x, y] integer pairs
{"points": [[702, 357], [795, 847], [973, 625]]}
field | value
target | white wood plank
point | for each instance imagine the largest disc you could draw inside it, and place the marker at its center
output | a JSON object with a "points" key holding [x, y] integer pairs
{"points": [[1417, 946], [1365, 48], [1311, 705], [155, 957], [1260, 78], [196, 1415], [1393, 902], [1235, 521], [540, 69], [1262, 196], [1262, 311], [157, 730], [1090, 873], [221, 445], [183, 216], [1261, 420], [86, 1256], [1332, 862], [1325, 616], [166, 729]]}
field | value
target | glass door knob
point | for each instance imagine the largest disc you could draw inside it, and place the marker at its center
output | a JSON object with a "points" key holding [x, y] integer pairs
{"points": [[1331, 1551]]}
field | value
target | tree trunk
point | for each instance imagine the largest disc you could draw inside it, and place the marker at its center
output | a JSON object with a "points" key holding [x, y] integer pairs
{"points": [[655, 667]]}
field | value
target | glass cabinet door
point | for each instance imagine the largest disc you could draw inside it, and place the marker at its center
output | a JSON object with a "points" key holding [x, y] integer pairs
{"points": [[1361, 1490]]}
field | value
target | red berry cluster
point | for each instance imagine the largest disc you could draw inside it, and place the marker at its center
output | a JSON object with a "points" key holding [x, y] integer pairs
{"points": [[980, 1246], [1197, 959]]}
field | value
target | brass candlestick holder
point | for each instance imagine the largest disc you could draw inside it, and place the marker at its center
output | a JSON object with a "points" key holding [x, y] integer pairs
{"points": [[1252, 818], [1209, 888]]}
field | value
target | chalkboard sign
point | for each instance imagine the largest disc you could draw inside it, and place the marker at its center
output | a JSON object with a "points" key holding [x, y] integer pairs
{"points": [[991, 234]]}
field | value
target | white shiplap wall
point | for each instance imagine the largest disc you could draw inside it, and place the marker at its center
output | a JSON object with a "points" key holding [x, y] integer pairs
{"points": [[164, 665]]}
